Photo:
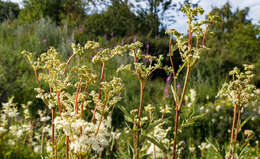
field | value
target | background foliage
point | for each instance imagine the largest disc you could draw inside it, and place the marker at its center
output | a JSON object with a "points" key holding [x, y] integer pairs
{"points": [[59, 23]]}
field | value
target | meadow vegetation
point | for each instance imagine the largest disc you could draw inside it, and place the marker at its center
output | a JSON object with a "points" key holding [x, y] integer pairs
{"points": [[72, 85]]}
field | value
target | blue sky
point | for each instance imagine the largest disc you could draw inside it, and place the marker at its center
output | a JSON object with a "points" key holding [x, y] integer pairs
{"points": [[254, 10], [180, 25]]}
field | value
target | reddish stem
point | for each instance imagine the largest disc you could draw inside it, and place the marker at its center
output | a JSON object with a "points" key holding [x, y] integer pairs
{"points": [[99, 123], [178, 111], [59, 105], [37, 79], [70, 58], [99, 91], [204, 36], [76, 102], [141, 101], [238, 122], [184, 88], [178, 108], [50, 90], [190, 35], [139, 117], [233, 126], [142, 85]]}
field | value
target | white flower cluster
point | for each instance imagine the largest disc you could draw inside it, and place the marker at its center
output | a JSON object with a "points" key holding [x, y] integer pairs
{"points": [[82, 134], [9, 110], [204, 146], [239, 90], [160, 135], [191, 98], [12, 126]]}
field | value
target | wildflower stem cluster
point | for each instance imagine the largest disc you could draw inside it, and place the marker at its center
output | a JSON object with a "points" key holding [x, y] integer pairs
{"points": [[68, 93], [239, 91], [189, 55]]}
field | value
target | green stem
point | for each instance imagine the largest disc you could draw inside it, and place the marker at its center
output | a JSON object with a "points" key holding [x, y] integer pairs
{"points": [[52, 130], [67, 147]]}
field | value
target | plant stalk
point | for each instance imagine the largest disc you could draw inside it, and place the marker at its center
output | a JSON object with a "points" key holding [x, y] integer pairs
{"points": [[238, 123], [172, 65], [67, 147], [67, 63], [204, 36], [178, 111], [142, 85], [59, 105], [233, 127], [99, 91], [52, 130], [76, 102]]}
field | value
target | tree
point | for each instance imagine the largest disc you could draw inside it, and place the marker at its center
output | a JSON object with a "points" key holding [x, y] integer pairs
{"points": [[234, 41], [57, 10], [152, 13], [8, 10], [117, 20]]}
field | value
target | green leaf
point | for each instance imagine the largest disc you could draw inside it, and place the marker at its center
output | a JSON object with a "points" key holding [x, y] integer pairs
{"points": [[127, 115], [151, 127], [174, 94], [217, 148], [243, 150], [191, 120], [180, 68], [157, 143], [61, 142], [244, 122]]}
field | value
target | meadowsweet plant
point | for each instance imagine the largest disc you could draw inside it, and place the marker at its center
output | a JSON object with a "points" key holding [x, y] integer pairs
{"points": [[189, 53], [141, 70], [16, 127], [239, 91], [68, 95]]}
